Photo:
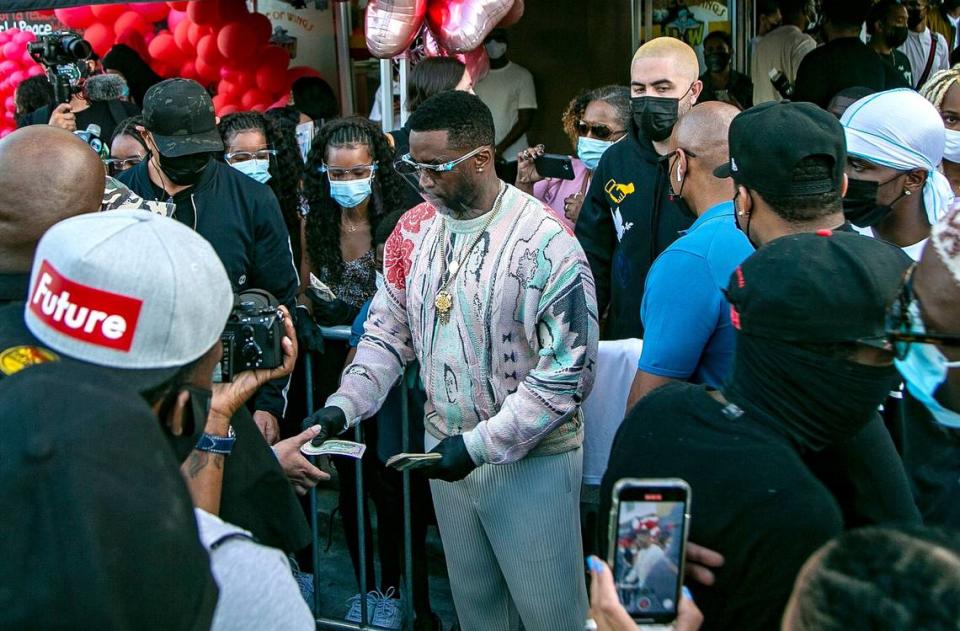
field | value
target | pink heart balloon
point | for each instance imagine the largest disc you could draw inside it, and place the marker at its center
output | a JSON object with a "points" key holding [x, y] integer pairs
{"points": [[461, 25], [513, 16], [476, 60], [392, 25]]}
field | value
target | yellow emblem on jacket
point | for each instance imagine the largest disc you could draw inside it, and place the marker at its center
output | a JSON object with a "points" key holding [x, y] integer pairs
{"points": [[618, 192]]}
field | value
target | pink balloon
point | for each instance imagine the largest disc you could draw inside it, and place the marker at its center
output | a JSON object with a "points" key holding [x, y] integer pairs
{"points": [[35, 71], [16, 77], [107, 13], [176, 18], [164, 48], [77, 17], [131, 20], [9, 103], [178, 6], [392, 25], [516, 12], [12, 50], [5, 36], [234, 42], [7, 131], [24, 37], [477, 63], [151, 11], [7, 67], [461, 25]]}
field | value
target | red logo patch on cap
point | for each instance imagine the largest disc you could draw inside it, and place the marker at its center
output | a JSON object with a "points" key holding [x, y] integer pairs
{"points": [[84, 313], [734, 317], [824, 233], [741, 282]]}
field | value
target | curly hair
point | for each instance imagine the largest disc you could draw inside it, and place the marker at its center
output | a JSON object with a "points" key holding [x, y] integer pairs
{"points": [[32, 94], [285, 173], [617, 96], [323, 219]]}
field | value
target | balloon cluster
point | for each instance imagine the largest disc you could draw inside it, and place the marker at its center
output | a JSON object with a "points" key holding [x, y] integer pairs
{"points": [[442, 27], [15, 66], [216, 42]]}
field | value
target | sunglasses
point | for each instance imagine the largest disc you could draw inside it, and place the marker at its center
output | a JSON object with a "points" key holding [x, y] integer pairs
{"points": [[904, 325], [599, 130], [242, 156], [116, 165], [405, 165]]}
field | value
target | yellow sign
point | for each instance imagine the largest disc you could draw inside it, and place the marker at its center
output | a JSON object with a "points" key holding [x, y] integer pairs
{"points": [[15, 359]]}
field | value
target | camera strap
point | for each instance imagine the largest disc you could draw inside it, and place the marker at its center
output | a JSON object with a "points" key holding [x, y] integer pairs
{"points": [[930, 58]]}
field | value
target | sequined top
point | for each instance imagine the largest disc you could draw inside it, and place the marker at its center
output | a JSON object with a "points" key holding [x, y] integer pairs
{"points": [[358, 283]]}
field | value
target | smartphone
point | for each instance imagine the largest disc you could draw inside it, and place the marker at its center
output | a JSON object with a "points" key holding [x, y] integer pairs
{"points": [[649, 520], [555, 165]]}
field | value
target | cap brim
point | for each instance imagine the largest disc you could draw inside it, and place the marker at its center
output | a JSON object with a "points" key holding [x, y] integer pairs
{"points": [[140, 380], [723, 171], [176, 146]]}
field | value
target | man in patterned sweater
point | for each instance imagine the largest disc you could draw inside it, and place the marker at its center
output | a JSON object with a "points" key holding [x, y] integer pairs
{"points": [[494, 297]]}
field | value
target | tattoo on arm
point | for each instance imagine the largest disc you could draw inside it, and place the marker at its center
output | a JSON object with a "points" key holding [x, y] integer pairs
{"points": [[199, 460]]}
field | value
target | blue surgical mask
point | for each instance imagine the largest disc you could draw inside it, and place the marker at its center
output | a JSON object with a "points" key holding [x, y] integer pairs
{"points": [[924, 369], [257, 169], [350, 193], [589, 150]]}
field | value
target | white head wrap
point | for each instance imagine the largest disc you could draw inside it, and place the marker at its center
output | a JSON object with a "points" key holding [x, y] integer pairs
{"points": [[899, 129]]}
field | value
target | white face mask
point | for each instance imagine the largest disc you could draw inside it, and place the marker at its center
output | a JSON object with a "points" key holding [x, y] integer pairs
{"points": [[495, 49], [951, 151]]}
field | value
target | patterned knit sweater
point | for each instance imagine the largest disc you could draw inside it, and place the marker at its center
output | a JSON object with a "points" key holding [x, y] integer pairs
{"points": [[517, 357]]}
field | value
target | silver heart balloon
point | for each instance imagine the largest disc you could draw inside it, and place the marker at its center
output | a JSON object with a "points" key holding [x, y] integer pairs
{"points": [[461, 25], [392, 25]]}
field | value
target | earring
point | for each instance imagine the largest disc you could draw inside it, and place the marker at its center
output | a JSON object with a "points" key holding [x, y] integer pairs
{"points": [[907, 193], [480, 170]]}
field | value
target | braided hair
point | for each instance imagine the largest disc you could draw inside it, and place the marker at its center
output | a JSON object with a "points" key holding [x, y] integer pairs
{"points": [[935, 89], [617, 96], [284, 173], [128, 127], [323, 219]]}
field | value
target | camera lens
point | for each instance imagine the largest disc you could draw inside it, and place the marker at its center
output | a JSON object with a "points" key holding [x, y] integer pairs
{"points": [[75, 46]]}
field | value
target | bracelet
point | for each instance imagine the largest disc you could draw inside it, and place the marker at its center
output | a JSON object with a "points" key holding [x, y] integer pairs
{"points": [[217, 444]]}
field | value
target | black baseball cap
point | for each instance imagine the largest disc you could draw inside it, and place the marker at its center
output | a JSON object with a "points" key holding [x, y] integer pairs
{"points": [[828, 287], [179, 113], [98, 530], [768, 140]]}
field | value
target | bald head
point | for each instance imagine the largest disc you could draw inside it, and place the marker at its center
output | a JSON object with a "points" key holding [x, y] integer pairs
{"points": [[676, 56], [47, 174], [704, 131]]}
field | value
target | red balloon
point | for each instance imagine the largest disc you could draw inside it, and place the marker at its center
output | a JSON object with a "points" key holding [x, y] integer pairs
{"points": [[76, 17], [301, 71], [228, 73], [108, 13], [207, 12], [235, 43], [207, 51], [261, 26], [164, 48], [151, 11], [131, 20], [252, 97], [188, 70], [282, 102], [219, 100], [26, 59], [228, 109], [513, 16], [135, 40], [16, 77], [10, 103], [196, 33], [271, 80], [176, 18], [181, 35], [7, 67], [100, 37], [12, 50], [275, 57], [24, 36], [178, 6], [246, 79], [232, 10], [208, 72], [5, 36]]}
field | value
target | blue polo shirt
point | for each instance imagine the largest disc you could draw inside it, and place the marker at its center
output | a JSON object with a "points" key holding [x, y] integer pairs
{"points": [[686, 318]]}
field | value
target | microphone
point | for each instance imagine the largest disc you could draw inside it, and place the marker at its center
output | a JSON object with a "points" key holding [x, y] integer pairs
{"points": [[91, 136], [106, 87]]}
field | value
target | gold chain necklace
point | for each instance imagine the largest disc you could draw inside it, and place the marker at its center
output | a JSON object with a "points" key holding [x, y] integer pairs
{"points": [[444, 299], [351, 227]]}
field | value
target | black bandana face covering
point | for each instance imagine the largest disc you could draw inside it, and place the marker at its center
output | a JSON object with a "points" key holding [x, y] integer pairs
{"points": [[184, 170], [860, 205]]}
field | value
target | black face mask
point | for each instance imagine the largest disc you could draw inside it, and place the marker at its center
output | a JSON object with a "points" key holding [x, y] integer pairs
{"points": [[895, 36], [194, 421], [860, 205], [184, 170], [655, 116], [914, 17], [717, 62]]}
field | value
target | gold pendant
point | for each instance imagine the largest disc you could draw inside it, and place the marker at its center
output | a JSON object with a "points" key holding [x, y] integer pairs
{"points": [[443, 302]]}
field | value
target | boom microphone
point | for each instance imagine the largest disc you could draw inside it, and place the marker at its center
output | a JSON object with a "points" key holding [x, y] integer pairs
{"points": [[106, 87]]}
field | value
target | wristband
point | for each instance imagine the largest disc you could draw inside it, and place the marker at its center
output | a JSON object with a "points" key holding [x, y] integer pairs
{"points": [[217, 444]]}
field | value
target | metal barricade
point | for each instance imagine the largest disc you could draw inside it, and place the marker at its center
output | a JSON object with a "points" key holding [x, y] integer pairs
{"points": [[407, 382]]}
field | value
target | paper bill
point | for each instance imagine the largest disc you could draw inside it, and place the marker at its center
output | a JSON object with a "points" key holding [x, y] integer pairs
{"points": [[335, 448], [403, 462], [321, 288]]}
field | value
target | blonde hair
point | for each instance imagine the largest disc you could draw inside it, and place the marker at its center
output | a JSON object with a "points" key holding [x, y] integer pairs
{"points": [[935, 89], [683, 56]]}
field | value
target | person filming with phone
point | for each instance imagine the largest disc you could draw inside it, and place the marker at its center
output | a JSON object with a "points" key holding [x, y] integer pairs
{"points": [[594, 121]]}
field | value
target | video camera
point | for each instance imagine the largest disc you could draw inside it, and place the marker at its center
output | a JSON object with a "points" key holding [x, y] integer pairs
{"points": [[63, 54], [252, 336]]}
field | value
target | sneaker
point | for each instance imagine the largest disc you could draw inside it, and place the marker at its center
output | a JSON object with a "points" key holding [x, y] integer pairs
{"points": [[387, 612], [353, 614]]}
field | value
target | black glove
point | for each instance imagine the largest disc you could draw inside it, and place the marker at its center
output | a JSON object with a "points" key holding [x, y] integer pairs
{"points": [[456, 463], [331, 420], [308, 333], [331, 312]]}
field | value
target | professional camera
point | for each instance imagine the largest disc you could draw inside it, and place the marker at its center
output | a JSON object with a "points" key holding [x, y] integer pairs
{"points": [[64, 55], [252, 336]]}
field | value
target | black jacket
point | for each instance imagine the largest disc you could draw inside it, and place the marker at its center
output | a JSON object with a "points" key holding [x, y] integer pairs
{"points": [[241, 219], [843, 63], [626, 221]]}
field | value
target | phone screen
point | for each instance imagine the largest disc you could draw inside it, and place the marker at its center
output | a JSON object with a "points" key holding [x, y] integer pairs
{"points": [[649, 550]]}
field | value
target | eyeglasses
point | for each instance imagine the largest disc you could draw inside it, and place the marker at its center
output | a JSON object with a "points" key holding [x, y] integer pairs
{"points": [[357, 172], [242, 156], [406, 166], [599, 130], [904, 324], [116, 165]]}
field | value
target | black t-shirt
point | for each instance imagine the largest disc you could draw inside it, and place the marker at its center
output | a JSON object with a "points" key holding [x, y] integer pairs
{"points": [[901, 65], [753, 499], [842, 63], [99, 113], [739, 87]]}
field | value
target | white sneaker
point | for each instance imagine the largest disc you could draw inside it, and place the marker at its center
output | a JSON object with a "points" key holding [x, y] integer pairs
{"points": [[353, 614], [387, 612]]}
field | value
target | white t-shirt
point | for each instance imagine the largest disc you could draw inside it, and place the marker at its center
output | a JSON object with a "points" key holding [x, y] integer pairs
{"points": [[913, 251], [257, 588], [782, 48], [917, 50], [506, 91]]}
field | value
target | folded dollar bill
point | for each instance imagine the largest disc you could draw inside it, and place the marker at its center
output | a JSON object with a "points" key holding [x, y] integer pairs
{"points": [[403, 462], [335, 448], [321, 288]]}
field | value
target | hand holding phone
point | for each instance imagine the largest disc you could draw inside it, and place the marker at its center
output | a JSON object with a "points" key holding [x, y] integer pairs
{"points": [[649, 521]]}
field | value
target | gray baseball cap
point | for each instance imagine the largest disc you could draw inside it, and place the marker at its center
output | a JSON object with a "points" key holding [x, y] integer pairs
{"points": [[179, 113], [128, 290]]}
